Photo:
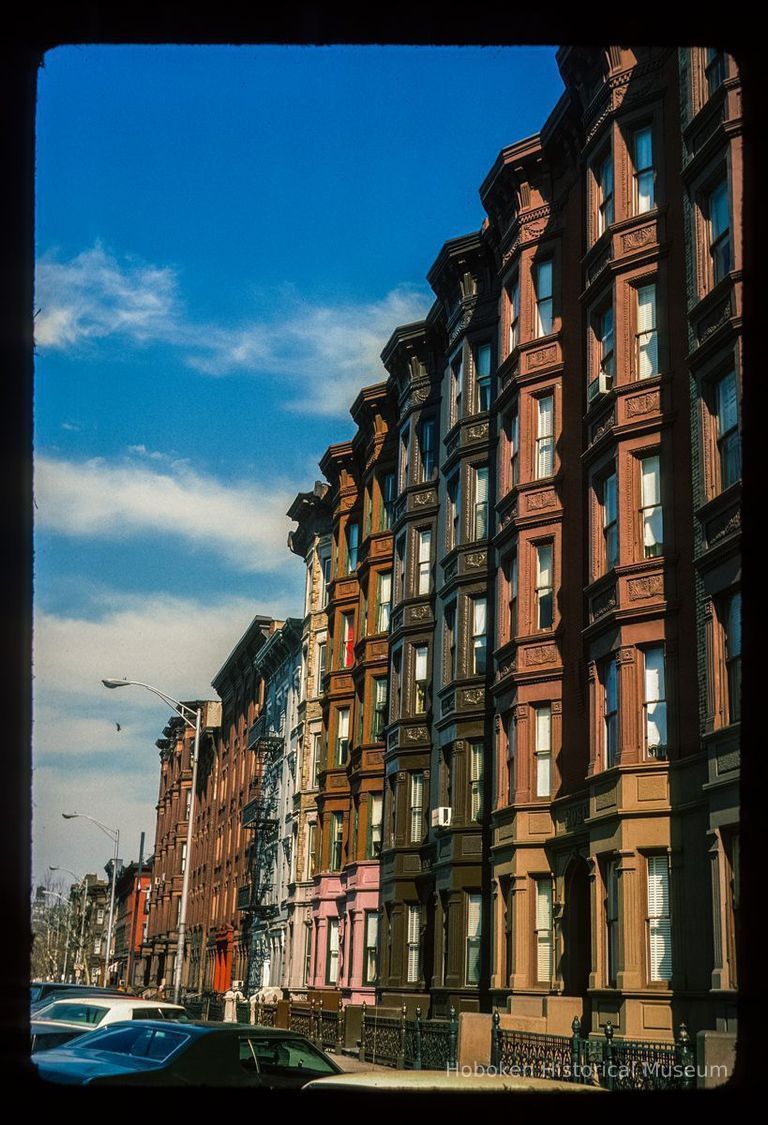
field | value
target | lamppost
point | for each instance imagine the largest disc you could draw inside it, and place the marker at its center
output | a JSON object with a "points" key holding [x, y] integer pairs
{"points": [[114, 834], [192, 716], [81, 946]]}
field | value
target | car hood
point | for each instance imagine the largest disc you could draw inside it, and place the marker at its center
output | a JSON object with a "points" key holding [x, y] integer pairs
{"points": [[75, 1067]]}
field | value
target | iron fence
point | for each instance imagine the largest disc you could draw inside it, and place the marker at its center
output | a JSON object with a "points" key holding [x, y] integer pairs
{"points": [[622, 1064], [413, 1044]]}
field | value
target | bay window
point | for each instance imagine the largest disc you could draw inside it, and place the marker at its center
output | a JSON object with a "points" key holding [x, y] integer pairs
{"points": [[388, 493], [647, 337], [425, 559], [480, 520], [420, 679], [483, 377], [650, 506], [375, 819], [659, 920], [655, 702], [479, 636], [543, 752], [379, 708], [545, 442], [383, 601], [334, 852], [544, 305], [353, 546], [347, 640], [428, 458], [416, 833], [342, 736], [544, 593], [643, 170]]}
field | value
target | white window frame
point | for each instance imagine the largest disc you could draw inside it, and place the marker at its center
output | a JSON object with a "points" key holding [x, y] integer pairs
{"points": [[425, 559], [476, 778], [420, 654], [643, 172], [659, 920], [413, 938], [647, 334], [545, 436], [474, 939], [655, 717], [651, 509], [544, 933], [416, 830], [543, 289], [543, 748], [480, 512]]}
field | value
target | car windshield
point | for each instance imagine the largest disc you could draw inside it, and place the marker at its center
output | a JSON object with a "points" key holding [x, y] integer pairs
{"points": [[35, 992], [73, 1011], [135, 1042]]}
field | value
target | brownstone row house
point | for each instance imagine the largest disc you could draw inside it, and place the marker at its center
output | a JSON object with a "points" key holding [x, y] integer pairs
{"points": [[132, 891]]}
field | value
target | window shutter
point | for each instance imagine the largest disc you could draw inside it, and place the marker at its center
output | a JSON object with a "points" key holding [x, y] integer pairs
{"points": [[659, 920], [543, 930], [413, 943], [474, 916], [417, 790], [648, 359]]}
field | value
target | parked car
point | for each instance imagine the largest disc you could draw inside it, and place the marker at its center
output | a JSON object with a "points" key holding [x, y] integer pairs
{"points": [[156, 1053], [66, 1019], [42, 992], [443, 1082]]}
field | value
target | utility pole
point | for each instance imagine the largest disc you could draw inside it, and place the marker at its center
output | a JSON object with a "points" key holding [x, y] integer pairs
{"points": [[135, 917]]}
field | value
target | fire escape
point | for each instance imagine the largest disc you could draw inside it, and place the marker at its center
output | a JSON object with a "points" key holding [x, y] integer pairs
{"points": [[256, 897]]}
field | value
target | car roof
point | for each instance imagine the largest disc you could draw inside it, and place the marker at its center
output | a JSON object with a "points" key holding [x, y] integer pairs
{"points": [[121, 1001], [207, 1027], [431, 1081]]}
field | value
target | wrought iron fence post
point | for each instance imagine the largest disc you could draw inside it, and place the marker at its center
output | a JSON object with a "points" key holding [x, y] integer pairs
{"points": [[495, 1041], [417, 1041], [340, 1029], [362, 1034], [576, 1075], [685, 1057], [290, 1014], [401, 1052], [208, 1007], [454, 1038], [608, 1056]]}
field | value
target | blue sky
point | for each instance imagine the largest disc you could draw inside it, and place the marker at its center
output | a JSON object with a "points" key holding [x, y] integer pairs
{"points": [[226, 237]]}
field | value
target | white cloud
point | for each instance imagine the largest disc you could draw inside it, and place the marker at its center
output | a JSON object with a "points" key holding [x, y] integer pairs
{"points": [[93, 295], [246, 524], [322, 353], [81, 761]]}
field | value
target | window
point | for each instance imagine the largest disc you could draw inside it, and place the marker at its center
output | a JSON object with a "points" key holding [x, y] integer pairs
{"points": [[457, 386], [511, 576], [483, 376], [379, 708], [513, 437], [480, 520], [611, 921], [417, 807], [425, 559], [608, 680], [397, 660], [545, 444], [427, 449], [606, 341], [727, 430], [511, 757], [479, 635], [97, 945], [342, 736], [400, 566], [647, 337], [99, 917], [543, 287], [644, 172], [543, 752], [375, 817], [325, 577], [659, 922], [655, 702], [337, 827], [544, 931], [322, 650], [650, 509], [609, 517], [183, 858], [347, 640], [513, 295], [383, 601], [604, 181], [405, 441], [388, 491], [307, 952], [474, 931], [317, 747], [332, 967], [353, 544], [371, 946], [730, 617], [544, 587], [450, 642], [414, 945], [714, 69], [311, 840], [454, 512], [420, 679], [476, 780]]}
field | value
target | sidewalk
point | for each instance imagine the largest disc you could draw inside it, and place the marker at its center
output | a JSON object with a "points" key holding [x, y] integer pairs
{"points": [[349, 1065]]}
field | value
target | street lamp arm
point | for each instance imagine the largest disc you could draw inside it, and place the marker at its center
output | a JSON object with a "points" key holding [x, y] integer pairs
{"points": [[113, 833], [186, 713]]}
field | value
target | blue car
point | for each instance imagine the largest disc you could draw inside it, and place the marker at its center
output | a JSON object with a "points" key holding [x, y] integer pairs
{"points": [[156, 1053]]}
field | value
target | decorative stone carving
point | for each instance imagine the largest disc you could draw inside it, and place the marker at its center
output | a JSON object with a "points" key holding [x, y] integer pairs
{"points": [[419, 612], [602, 427], [507, 667], [625, 656], [476, 560], [422, 499], [603, 603], [717, 529], [473, 696], [642, 404], [546, 498], [477, 433], [521, 711], [542, 356], [709, 324], [540, 654], [450, 570], [416, 734], [557, 707], [635, 239], [650, 587]]}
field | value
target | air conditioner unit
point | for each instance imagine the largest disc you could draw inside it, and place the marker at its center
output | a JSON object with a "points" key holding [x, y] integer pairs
{"points": [[441, 817], [599, 387]]}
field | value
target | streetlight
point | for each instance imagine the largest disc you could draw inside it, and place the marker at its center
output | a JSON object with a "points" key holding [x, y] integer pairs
{"points": [[192, 716], [114, 834], [81, 946]]}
